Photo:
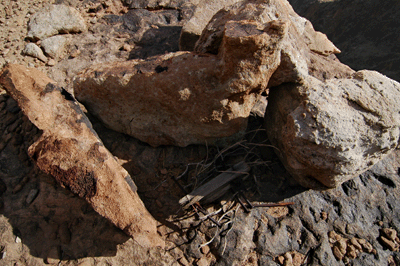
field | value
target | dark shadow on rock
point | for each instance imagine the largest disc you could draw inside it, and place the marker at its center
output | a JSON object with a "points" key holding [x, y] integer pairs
{"points": [[50, 220], [365, 31], [157, 41]]}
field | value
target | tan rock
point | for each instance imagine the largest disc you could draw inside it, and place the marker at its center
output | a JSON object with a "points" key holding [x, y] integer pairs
{"points": [[356, 244], [70, 150], [333, 130], [184, 98], [337, 253], [391, 245], [390, 233]]}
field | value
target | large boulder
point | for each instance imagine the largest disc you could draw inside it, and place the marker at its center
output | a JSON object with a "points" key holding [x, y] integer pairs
{"points": [[70, 150], [184, 98], [334, 130], [55, 19]]}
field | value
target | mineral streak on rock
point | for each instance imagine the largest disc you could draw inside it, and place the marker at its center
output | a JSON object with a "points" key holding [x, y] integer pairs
{"points": [[70, 150], [186, 98]]}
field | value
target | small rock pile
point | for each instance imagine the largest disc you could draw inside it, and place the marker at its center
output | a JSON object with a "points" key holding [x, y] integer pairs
{"points": [[44, 27]]}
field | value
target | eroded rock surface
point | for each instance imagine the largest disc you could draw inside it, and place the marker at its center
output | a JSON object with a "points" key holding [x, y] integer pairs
{"points": [[70, 150], [184, 98], [53, 20], [334, 130]]}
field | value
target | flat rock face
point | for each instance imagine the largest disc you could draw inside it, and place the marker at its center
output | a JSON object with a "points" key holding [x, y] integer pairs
{"points": [[70, 150], [55, 19], [334, 130], [184, 98]]}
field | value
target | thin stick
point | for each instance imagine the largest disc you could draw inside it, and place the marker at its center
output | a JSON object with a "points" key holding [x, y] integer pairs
{"points": [[279, 204]]}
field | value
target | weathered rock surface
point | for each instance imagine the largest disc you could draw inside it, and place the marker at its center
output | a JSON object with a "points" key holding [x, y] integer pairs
{"points": [[184, 98], [203, 13], [33, 50], [301, 50], [53, 20], [70, 150], [54, 46], [334, 130]]}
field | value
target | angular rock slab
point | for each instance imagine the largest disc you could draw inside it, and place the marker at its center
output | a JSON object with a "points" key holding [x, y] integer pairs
{"points": [[335, 130], [53, 20], [185, 98], [70, 150]]}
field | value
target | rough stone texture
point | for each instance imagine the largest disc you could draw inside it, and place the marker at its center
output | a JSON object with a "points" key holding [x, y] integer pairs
{"points": [[203, 13], [300, 51], [358, 208], [334, 130], [53, 20], [70, 150], [33, 50], [365, 43], [55, 46], [193, 99]]}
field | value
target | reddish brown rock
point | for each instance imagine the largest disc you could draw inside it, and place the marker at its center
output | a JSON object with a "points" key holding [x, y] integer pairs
{"points": [[186, 98], [70, 150]]}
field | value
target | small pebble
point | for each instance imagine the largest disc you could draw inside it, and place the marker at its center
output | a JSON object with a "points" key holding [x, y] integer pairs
{"points": [[126, 47], [337, 253], [392, 246], [32, 195], [75, 53], [390, 233], [17, 240], [51, 62]]}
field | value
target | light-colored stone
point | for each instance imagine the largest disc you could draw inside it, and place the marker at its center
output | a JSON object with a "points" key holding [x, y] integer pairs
{"points": [[33, 50], [334, 130], [70, 150], [55, 19], [55, 46], [182, 98]]}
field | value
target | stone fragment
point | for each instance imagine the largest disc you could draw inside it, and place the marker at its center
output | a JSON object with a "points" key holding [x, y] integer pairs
{"points": [[342, 245], [356, 244], [32, 196], [54, 46], [337, 253], [182, 98], [333, 130], [391, 245], [70, 150], [33, 50], [51, 62], [390, 233], [55, 19]]}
